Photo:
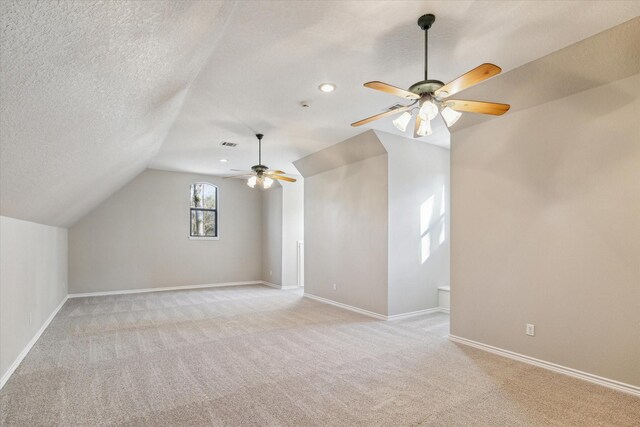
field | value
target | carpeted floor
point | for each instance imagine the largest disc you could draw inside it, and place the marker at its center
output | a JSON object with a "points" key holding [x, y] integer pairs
{"points": [[253, 355]]}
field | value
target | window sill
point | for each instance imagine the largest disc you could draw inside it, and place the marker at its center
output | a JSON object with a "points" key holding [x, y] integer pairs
{"points": [[203, 238]]}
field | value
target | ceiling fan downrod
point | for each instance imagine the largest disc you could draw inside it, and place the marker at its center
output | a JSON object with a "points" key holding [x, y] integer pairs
{"points": [[425, 22], [259, 136]]}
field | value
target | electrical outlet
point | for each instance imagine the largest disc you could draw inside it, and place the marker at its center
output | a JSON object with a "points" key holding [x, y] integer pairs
{"points": [[335, 287], [270, 273], [30, 318], [531, 329]]}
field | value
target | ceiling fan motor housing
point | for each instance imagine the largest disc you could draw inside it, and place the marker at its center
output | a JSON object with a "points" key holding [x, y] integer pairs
{"points": [[259, 169], [426, 87]]}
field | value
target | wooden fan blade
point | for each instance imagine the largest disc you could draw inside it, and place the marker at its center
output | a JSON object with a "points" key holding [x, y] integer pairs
{"points": [[283, 178], [471, 78], [480, 107], [275, 172], [238, 176], [415, 129], [240, 170], [379, 116], [391, 89]]}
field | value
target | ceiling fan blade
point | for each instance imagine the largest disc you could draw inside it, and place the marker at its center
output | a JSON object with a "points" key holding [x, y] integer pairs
{"points": [[379, 116], [480, 107], [238, 176], [415, 129], [391, 89], [275, 172], [471, 78], [283, 178]]}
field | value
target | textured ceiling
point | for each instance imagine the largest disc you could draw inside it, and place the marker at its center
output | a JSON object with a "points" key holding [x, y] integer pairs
{"points": [[274, 55], [89, 90]]}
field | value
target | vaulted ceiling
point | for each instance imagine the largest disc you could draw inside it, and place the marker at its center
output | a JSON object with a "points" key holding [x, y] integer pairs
{"points": [[93, 92]]}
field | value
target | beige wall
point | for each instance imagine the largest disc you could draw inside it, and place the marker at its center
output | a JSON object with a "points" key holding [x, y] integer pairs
{"points": [[272, 234], [139, 237], [419, 221], [33, 282], [546, 230], [292, 229], [346, 228]]}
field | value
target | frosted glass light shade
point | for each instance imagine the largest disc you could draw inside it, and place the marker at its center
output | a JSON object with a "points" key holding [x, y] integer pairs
{"points": [[251, 182], [450, 116], [425, 128], [402, 121], [428, 111], [266, 183]]}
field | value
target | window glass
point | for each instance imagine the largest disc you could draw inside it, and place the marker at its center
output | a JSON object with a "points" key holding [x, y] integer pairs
{"points": [[203, 208]]}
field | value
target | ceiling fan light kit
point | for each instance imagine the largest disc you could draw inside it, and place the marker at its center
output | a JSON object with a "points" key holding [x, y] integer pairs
{"points": [[260, 175], [430, 96]]}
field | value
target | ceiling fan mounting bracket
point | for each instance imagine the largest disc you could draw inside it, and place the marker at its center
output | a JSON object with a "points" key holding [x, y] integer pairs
{"points": [[426, 87], [426, 21]]}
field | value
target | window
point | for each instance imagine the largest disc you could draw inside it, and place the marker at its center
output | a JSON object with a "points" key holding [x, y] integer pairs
{"points": [[204, 211]]}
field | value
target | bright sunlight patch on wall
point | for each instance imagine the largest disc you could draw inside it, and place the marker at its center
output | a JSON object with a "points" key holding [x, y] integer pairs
{"points": [[430, 225]]}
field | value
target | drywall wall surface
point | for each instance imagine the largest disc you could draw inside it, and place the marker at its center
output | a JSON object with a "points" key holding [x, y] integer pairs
{"points": [[292, 229], [359, 147], [139, 237], [419, 234], [346, 232], [33, 282], [272, 234], [546, 230]]}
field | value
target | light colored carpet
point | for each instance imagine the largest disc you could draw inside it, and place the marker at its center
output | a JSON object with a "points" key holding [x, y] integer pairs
{"points": [[253, 355]]}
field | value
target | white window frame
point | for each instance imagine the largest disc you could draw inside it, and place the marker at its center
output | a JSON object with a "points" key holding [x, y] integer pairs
{"points": [[217, 237]]}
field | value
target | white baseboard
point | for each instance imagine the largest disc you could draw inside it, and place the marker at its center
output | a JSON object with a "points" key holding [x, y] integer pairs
{"points": [[284, 288], [30, 344], [616, 385], [445, 309], [170, 288], [414, 313], [371, 313], [347, 307]]}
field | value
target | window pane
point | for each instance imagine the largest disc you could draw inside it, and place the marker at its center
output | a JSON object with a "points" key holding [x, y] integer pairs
{"points": [[203, 223], [209, 224], [196, 196], [209, 196]]}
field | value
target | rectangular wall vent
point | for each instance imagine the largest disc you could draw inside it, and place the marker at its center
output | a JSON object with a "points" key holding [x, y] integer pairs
{"points": [[229, 144]]}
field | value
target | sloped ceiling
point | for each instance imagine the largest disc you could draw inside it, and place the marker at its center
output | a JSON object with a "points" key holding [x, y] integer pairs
{"points": [[274, 55], [88, 91]]}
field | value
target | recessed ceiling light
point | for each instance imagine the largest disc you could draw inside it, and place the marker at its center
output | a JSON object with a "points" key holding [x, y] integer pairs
{"points": [[327, 87], [224, 160]]}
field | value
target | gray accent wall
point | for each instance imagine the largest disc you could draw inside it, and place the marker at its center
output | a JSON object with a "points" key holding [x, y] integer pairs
{"points": [[546, 230], [139, 237], [33, 282]]}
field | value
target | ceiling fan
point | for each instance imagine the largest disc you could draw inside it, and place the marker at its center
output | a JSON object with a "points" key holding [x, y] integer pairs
{"points": [[260, 174], [431, 97]]}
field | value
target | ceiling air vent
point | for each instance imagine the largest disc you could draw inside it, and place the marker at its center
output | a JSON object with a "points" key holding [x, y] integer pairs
{"points": [[229, 144]]}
